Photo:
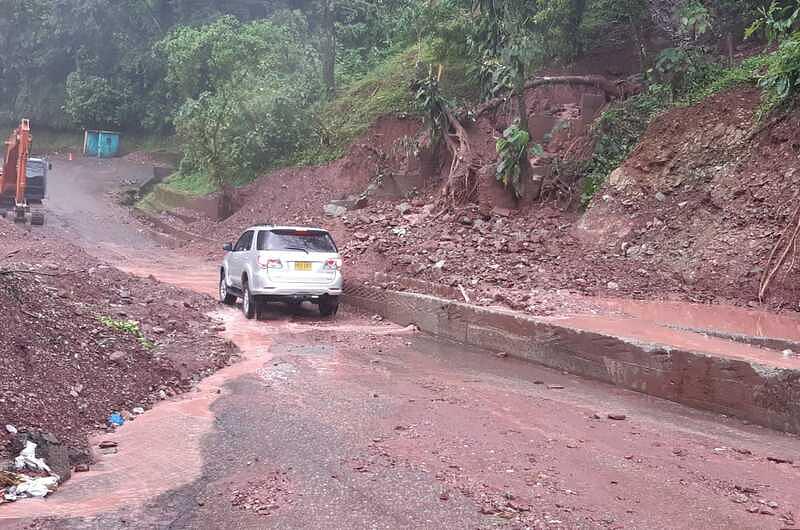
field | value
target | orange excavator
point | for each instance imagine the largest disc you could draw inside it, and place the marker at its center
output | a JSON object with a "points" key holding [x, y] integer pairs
{"points": [[22, 179]]}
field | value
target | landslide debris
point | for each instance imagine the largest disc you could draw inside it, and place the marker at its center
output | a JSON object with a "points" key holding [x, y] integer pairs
{"points": [[692, 215], [81, 339]]}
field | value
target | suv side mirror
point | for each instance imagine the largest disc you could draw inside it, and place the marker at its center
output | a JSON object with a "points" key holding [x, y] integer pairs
{"points": [[227, 247]]}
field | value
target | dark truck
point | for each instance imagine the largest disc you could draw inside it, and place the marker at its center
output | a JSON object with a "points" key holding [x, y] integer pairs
{"points": [[37, 170]]}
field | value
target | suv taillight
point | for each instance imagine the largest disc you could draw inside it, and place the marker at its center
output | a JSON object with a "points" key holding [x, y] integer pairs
{"points": [[269, 263], [333, 264]]}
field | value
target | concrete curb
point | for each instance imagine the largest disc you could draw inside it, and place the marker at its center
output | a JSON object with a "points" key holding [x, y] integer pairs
{"points": [[760, 393]]}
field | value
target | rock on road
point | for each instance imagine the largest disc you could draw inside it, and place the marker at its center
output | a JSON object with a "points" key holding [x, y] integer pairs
{"points": [[356, 423]]}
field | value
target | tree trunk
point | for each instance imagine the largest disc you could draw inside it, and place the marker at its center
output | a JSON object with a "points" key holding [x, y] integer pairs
{"points": [[225, 208], [328, 49], [574, 24], [522, 116]]}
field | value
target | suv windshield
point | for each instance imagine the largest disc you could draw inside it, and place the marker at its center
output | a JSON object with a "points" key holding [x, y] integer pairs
{"points": [[298, 240]]}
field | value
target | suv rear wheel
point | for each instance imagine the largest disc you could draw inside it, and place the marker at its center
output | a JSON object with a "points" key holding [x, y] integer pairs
{"points": [[225, 297], [248, 301], [328, 305]]}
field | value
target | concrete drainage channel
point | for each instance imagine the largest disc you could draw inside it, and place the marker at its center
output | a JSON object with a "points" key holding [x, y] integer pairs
{"points": [[763, 393]]}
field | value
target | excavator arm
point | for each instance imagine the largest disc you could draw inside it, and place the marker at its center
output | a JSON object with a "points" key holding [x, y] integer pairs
{"points": [[14, 174]]}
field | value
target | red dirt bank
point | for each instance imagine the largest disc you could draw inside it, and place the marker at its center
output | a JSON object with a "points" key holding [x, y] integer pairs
{"points": [[692, 215], [63, 370]]}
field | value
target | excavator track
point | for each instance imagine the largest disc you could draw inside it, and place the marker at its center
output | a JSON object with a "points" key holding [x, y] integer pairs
{"points": [[37, 215]]}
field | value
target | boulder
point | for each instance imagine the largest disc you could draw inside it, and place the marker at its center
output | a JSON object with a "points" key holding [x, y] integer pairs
{"points": [[334, 210]]}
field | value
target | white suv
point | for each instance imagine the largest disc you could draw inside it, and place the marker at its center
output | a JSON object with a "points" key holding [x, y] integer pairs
{"points": [[281, 263]]}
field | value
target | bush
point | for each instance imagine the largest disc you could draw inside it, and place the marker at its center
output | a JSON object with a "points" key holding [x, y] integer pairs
{"points": [[781, 82], [618, 130], [92, 102], [247, 90]]}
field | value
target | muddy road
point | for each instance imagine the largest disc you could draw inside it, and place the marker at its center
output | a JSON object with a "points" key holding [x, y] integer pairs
{"points": [[357, 423]]}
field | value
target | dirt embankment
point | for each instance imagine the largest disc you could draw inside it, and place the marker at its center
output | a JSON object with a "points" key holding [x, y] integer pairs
{"points": [[692, 215], [705, 198], [81, 339]]}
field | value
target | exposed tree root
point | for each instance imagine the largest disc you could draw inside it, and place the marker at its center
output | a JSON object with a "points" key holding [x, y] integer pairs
{"points": [[462, 182], [783, 248]]}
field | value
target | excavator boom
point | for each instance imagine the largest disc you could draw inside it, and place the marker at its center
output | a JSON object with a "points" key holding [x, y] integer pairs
{"points": [[14, 175]]}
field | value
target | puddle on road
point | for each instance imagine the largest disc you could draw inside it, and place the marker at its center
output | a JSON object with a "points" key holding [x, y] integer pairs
{"points": [[736, 320]]}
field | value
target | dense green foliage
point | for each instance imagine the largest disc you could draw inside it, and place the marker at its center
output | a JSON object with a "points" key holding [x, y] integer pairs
{"points": [[238, 116], [511, 148], [618, 131], [248, 85]]}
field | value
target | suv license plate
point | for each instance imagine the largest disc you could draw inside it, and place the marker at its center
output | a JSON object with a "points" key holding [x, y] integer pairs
{"points": [[302, 265]]}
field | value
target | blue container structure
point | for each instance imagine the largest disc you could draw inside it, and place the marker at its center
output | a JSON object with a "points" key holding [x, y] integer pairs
{"points": [[102, 144]]}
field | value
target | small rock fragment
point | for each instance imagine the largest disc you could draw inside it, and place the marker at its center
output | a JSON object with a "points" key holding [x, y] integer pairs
{"points": [[115, 356], [780, 460], [739, 498]]}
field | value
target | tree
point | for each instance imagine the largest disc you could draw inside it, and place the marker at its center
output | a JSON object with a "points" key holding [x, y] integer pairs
{"points": [[514, 32], [238, 115]]}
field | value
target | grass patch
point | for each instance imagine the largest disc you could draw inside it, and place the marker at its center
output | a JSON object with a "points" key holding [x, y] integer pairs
{"points": [[130, 327], [192, 183], [719, 78], [386, 89], [619, 128], [383, 90], [199, 183]]}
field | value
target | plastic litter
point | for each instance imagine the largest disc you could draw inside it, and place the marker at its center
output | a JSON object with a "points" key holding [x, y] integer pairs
{"points": [[19, 486], [116, 419], [11, 429], [31, 487], [27, 459]]}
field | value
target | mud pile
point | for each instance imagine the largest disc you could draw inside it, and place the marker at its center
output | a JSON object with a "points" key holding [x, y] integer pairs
{"points": [[692, 215], [81, 339], [706, 194]]}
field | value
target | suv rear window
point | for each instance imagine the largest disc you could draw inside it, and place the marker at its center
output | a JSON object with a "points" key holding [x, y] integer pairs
{"points": [[300, 240]]}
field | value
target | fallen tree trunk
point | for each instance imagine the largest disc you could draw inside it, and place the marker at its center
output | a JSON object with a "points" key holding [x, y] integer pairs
{"points": [[611, 89]]}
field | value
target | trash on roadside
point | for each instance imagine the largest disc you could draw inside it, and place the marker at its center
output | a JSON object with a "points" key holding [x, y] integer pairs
{"points": [[15, 486], [31, 487], [116, 419], [11, 429], [27, 459]]}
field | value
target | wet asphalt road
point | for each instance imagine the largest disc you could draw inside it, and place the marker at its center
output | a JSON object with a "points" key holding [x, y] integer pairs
{"points": [[353, 423]]}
